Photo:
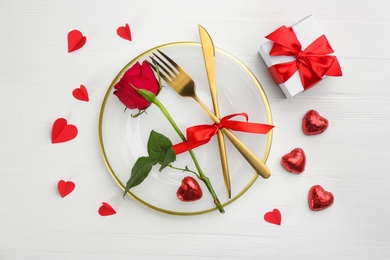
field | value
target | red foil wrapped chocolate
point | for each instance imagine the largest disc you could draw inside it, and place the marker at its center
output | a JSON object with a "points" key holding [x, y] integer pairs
{"points": [[295, 161], [189, 190], [313, 123], [319, 199]]}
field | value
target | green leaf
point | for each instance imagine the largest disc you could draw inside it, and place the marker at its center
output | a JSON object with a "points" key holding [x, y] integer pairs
{"points": [[160, 151], [169, 158], [159, 146], [139, 172]]}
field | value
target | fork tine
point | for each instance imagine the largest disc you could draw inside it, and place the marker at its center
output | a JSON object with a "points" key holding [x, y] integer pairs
{"points": [[167, 66], [170, 61], [162, 75], [162, 70]]}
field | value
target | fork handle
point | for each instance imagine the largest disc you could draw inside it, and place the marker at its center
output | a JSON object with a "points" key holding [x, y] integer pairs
{"points": [[252, 159]]}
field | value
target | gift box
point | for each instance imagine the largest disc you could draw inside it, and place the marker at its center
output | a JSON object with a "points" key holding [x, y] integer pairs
{"points": [[299, 57]]}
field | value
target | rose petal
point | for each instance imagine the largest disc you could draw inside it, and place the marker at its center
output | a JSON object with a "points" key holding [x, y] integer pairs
{"points": [[129, 96], [140, 77], [135, 70], [149, 73]]}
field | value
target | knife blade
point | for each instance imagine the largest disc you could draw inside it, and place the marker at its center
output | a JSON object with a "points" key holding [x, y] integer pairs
{"points": [[209, 59]]}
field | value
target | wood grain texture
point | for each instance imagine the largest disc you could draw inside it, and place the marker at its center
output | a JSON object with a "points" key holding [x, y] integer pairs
{"points": [[37, 76]]}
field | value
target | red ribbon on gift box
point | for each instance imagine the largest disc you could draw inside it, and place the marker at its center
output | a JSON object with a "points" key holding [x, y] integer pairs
{"points": [[201, 134], [313, 63]]}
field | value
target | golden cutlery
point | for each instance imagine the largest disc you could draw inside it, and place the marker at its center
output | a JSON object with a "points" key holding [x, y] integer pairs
{"points": [[183, 84], [209, 58]]}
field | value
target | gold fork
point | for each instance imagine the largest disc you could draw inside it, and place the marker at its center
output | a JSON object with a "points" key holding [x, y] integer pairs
{"points": [[183, 84]]}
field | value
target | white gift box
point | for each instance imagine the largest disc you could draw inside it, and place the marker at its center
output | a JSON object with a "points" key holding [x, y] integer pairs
{"points": [[307, 31]]}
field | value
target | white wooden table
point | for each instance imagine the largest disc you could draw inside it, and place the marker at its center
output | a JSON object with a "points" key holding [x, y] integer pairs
{"points": [[350, 159]]}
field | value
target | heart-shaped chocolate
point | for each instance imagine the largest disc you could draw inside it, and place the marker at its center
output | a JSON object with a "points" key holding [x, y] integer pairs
{"points": [[313, 123], [319, 198], [295, 161], [189, 190]]}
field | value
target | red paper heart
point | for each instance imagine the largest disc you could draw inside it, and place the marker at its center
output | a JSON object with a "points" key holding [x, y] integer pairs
{"points": [[319, 198], [313, 123], [76, 40], [189, 190], [62, 132], [65, 187], [295, 161], [81, 93], [124, 32], [106, 209], [273, 217]]}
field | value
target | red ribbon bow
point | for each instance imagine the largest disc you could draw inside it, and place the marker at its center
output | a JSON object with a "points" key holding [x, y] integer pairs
{"points": [[201, 134], [313, 63]]}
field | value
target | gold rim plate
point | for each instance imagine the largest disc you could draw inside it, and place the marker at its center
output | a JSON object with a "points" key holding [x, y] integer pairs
{"points": [[123, 139]]}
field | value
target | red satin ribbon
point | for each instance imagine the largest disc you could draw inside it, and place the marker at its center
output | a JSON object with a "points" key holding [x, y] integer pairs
{"points": [[313, 63], [201, 134]]}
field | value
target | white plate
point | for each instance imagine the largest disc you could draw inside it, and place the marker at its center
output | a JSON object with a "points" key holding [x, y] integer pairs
{"points": [[123, 138]]}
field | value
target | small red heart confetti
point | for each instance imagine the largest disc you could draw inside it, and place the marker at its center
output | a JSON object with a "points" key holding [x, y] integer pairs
{"points": [[76, 40], [124, 32], [313, 123], [319, 198], [189, 190], [65, 187], [295, 161], [106, 210], [273, 217], [62, 132], [81, 93]]}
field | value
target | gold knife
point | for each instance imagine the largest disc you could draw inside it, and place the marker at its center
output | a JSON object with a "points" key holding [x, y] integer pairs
{"points": [[209, 58]]}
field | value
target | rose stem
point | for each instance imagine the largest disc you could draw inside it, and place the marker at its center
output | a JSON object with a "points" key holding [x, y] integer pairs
{"points": [[150, 97]]}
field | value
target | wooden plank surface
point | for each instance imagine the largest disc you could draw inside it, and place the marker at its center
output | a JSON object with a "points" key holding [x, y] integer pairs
{"points": [[37, 76]]}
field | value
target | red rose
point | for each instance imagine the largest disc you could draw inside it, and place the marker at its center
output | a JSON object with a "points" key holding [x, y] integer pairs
{"points": [[140, 77]]}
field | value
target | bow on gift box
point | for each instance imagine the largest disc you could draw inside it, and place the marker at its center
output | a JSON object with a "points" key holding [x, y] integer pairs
{"points": [[201, 134], [312, 63]]}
